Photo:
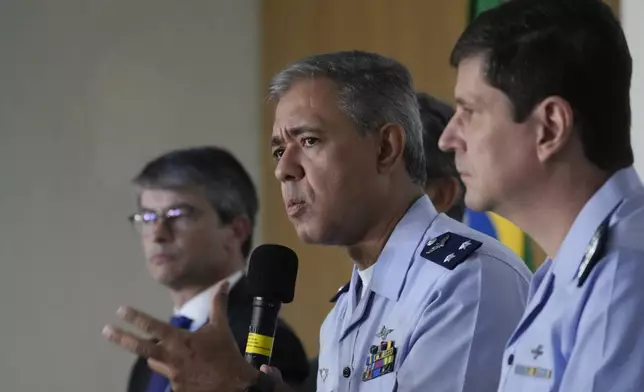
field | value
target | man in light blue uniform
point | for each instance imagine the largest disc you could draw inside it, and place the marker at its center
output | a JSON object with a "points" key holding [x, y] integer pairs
{"points": [[542, 136], [431, 302], [582, 330], [430, 306], [447, 309], [442, 185]]}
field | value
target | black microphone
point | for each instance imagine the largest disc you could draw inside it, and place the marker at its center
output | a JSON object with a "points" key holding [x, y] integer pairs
{"points": [[271, 280]]}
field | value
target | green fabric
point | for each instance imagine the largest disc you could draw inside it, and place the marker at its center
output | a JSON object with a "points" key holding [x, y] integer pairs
{"points": [[478, 6], [528, 256]]}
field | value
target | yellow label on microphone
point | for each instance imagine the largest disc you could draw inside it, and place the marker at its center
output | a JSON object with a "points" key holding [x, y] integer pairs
{"points": [[259, 344]]}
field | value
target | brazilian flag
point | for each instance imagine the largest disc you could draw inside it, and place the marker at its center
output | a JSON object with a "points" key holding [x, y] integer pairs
{"points": [[490, 223]]}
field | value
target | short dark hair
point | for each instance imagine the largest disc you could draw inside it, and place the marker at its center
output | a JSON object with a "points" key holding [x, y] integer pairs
{"points": [[435, 115], [374, 90], [574, 49], [214, 170]]}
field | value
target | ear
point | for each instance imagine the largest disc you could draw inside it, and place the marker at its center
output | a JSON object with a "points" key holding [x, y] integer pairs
{"points": [[241, 228], [392, 143], [443, 192], [555, 117]]}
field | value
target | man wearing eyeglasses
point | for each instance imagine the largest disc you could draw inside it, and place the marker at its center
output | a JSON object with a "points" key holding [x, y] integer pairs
{"points": [[196, 214]]}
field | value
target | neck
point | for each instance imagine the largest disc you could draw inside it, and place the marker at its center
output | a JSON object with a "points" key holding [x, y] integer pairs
{"points": [[365, 253], [184, 293], [548, 210], [181, 296]]}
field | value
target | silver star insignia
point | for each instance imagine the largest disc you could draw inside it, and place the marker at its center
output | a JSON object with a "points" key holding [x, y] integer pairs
{"points": [[324, 372], [464, 245], [384, 332], [449, 257]]}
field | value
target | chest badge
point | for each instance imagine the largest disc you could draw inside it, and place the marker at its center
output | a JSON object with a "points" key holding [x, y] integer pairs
{"points": [[380, 361], [436, 243], [384, 332], [324, 372], [530, 371], [537, 351]]}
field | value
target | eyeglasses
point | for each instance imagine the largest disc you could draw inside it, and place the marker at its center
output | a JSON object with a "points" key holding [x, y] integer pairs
{"points": [[175, 218]]}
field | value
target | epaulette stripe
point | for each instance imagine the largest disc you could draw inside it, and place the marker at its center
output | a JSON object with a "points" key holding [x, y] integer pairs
{"points": [[340, 291]]}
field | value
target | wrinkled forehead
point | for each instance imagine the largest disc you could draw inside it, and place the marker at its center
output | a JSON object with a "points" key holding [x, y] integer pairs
{"points": [[297, 116], [470, 77], [472, 87], [309, 103], [157, 198]]}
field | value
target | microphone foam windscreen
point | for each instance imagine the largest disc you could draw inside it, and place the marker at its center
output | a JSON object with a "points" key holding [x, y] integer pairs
{"points": [[272, 272]]}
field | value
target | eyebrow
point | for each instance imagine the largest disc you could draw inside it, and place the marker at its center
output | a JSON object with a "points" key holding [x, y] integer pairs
{"points": [[277, 140], [460, 101], [170, 207]]}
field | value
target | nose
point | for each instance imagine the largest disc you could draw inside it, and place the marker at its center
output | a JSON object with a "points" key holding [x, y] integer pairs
{"points": [[449, 140], [160, 231], [289, 167]]}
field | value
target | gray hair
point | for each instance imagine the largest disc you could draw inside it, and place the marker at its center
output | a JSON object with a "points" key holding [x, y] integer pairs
{"points": [[374, 91], [224, 181]]}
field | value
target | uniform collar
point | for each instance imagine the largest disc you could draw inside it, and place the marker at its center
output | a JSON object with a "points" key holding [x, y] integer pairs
{"points": [[398, 253], [619, 186]]}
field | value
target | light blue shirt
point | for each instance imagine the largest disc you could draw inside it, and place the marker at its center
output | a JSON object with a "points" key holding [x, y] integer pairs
{"points": [[448, 326], [587, 338]]}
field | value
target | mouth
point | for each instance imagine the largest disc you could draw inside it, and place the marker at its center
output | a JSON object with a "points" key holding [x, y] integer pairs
{"points": [[161, 258], [295, 208]]}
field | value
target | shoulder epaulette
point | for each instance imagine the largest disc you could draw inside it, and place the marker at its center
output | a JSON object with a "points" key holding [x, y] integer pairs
{"points": [[594, 252], [340, 291], [449, 250]]}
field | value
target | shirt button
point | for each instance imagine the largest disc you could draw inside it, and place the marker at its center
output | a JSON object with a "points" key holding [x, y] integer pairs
{"points": [[511, 359], [346, 372]]}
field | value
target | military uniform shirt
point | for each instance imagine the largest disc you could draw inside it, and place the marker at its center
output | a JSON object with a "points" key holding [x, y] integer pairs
{"points": [[583, 329], [435, 316]]}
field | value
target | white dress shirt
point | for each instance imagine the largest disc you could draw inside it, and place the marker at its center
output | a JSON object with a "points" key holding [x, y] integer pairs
{"points": [[365, 277], [198, 307]]}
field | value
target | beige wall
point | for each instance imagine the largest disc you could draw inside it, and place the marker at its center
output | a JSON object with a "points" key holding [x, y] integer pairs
{"points": [[90, 90]]}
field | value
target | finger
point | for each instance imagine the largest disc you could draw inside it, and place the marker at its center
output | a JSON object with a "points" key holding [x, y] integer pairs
{"points": [[219, 305], [132, 343], [271, 371], [168, 372], [161, 368], [147, 323]]}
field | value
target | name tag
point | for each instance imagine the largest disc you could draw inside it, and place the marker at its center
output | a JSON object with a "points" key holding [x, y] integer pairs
{"points": [[537, 372]]}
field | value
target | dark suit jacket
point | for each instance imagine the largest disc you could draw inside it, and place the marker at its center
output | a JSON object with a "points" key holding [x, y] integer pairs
{"points": [[310, 384], [288, 353]]}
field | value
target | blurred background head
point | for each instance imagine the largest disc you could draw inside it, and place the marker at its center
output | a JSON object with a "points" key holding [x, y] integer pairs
{"points": [[443, 184]]}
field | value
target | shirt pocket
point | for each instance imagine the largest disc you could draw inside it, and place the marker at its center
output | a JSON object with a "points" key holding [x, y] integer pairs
{"points": [[384, 383]]}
